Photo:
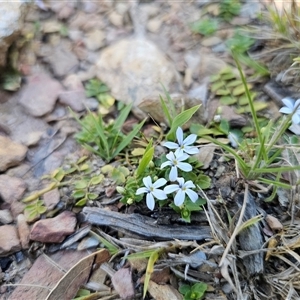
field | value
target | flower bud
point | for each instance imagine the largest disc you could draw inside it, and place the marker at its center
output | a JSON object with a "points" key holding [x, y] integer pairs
{"points": [[151, 164], [120, 190], [129, 201], [155, 178]]}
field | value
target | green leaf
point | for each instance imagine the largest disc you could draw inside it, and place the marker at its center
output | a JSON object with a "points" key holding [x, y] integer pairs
{"points": [[182, 119], [82, 184], [227, 100], [234, 83], [205, 27], [214, 78], [96, 179], [59, 174], [258, 106], [78, 194], [200, 130], [92, 196], [204, 181], [41, 209], [147, 157], [118, 176], [239, 90], [183, 289], [200, 287], [228, 76], [216, 86], [222, 92], [224, 126], [81, 202]]}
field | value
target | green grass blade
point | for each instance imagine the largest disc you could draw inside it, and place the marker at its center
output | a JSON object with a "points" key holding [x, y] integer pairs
{"points": [[276, 183], [147, 157], [181, 119], [122, 117], [166, 110], [251, 104], [128, 138], [170, 102], [271, 170]]}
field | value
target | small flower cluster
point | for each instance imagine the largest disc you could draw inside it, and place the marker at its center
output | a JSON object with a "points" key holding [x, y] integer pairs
{"points": [[183, 149], [291, 106]]}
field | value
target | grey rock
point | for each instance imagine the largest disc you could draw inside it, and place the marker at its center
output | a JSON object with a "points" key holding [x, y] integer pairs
{"points": [[21, 127], [11, 188], [23, 231], [40, 94], [11, 22], [5, 216], [135, 68], [61, 59], [54, 230], [11, 153], [9, 241]]}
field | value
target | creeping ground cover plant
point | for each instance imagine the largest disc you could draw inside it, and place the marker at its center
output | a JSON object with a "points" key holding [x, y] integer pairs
{"points": [[174, 177]]}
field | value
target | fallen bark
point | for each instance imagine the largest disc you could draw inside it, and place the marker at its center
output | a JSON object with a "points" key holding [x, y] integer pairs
{"points": [[144, 226]]}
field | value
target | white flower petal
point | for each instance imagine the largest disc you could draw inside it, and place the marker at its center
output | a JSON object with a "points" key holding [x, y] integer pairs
{"points": [[184, 167], [171, 145], [297, 104], [179, 135], [289, 102], [190, 139], [179, 152], [159, 194], [141, 190], [179, 198], [150, 201], [173, 174], [171, 188], [192, 195], [166, 163], [189, 184], [191, 150], [160, 182], [147, 181], [296, 119], [170, 156], [182, 157], [286, 110], [180, 181]]}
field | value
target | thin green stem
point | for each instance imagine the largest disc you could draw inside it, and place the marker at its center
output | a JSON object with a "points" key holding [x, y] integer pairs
{"points": [[253, 112]]}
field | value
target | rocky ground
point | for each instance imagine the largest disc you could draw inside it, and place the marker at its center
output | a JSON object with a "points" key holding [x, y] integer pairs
{"points": [[131, 47]]}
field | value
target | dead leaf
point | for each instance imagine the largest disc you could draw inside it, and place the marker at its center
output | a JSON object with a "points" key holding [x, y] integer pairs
{"points": [[274, 223], [78, 275], [122, 282], [163, 292]]}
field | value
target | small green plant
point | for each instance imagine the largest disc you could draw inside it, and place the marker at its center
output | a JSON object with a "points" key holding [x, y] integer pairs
{"points": [[106, 140], [229, 9], [96, 88], [205, 27], [240, 44], [194, 292], [259, 159], [231, 90], [34, 210]]}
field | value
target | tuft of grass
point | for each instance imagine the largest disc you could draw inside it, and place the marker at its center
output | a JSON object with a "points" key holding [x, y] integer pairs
{"points": [[106, 140]]}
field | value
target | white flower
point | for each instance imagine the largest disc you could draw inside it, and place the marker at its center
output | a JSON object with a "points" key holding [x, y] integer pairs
{"points": [[176, 162], [290, 106], [183, 145], [181, 190], [233, 139], [151, 189]]}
